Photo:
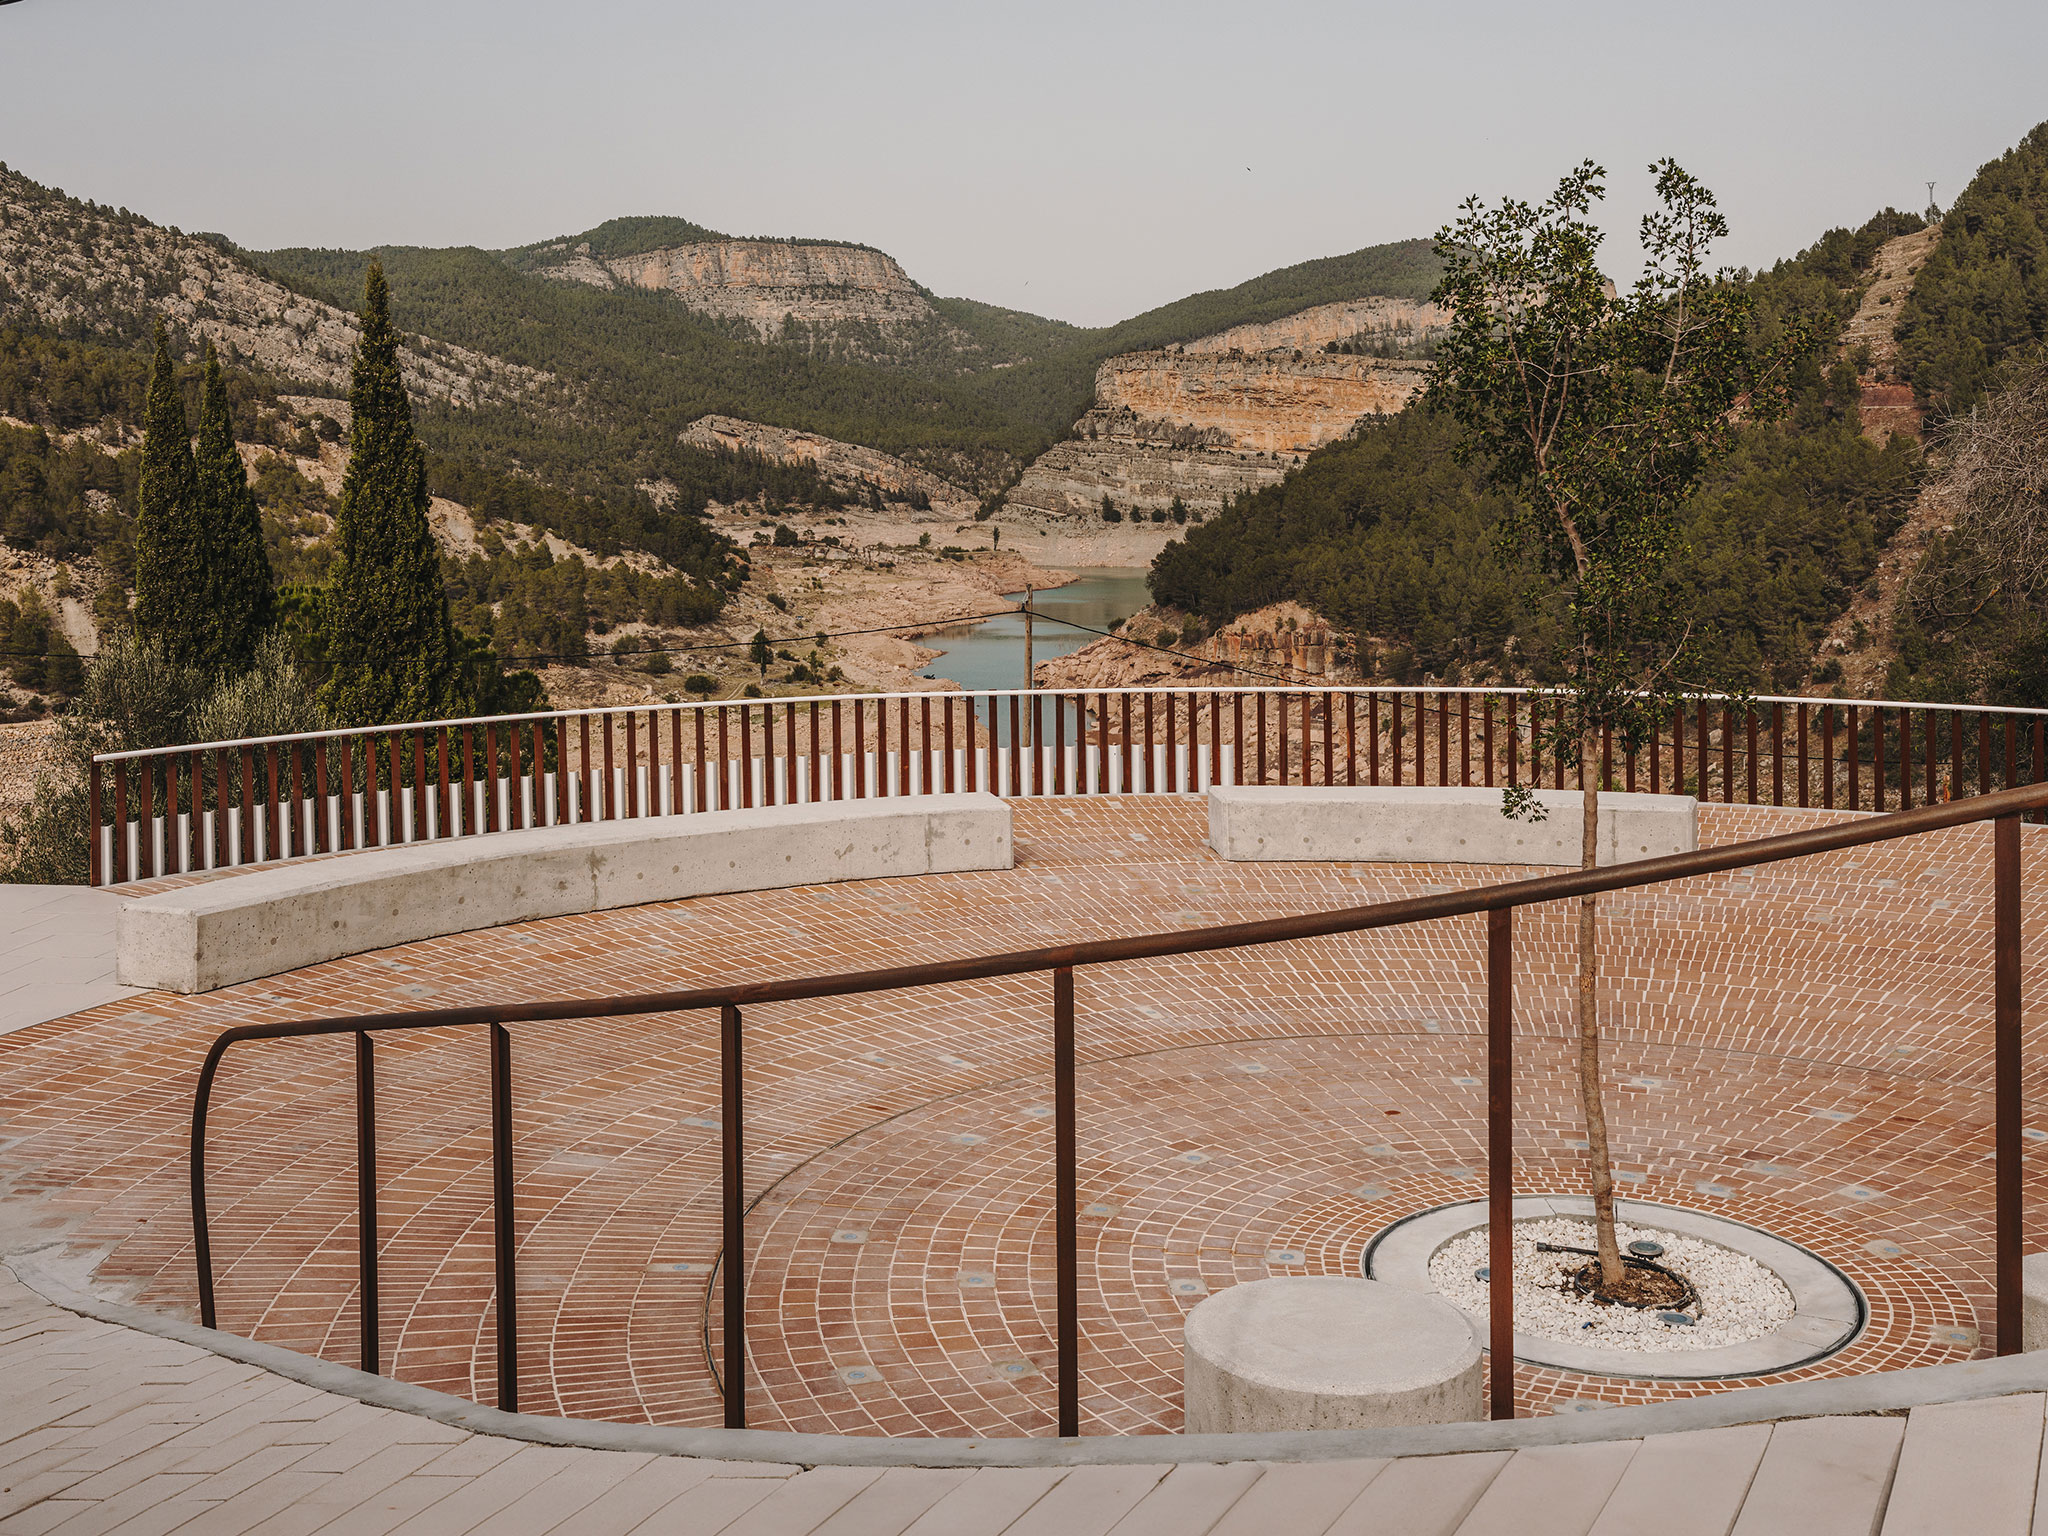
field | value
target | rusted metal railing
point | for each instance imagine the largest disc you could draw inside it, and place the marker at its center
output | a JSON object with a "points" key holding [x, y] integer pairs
{"points": [[219, 805], [1499, 902]]}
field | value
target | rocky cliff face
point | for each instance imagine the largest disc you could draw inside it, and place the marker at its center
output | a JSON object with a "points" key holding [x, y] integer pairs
{"points": [[1261, 402], [1204, 423], [87, 271], [837, 298], [1390, 325], [845, 464]]}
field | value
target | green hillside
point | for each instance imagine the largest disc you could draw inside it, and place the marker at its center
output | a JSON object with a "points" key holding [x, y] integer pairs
{"points": [[1982, 295], [1391, 538], [640, 366]]}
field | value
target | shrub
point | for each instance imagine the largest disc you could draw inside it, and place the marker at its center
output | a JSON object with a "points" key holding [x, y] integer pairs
{"points": [[133, 697], [659, 664]]}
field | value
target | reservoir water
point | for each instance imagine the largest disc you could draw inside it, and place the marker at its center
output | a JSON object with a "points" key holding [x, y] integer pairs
{"points": [[990, 653]]}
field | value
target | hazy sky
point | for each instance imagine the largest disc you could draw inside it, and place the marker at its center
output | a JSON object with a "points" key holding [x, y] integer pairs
{"points": [[1083, 161]]}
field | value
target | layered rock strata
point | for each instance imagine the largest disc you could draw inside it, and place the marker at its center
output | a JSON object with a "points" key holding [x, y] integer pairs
{"points": [[778, 289], [1204, 426], [845, 464]]}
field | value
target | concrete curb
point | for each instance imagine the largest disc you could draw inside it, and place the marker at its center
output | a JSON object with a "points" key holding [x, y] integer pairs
{"points": [[1891, 1392]]}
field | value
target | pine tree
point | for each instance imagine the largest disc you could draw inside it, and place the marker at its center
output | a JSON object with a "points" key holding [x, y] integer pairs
{"points": [[242, 601], [390, 640], [171, 599]]}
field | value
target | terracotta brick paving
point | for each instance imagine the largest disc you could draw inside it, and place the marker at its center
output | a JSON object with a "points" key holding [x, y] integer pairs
{"points": [[1805, 1047]]}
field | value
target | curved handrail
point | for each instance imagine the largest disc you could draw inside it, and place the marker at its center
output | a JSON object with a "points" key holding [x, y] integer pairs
{"points": [[2004, 806]]}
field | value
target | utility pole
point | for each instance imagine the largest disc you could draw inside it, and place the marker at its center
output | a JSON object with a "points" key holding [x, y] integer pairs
{"points": [[1030, 672]]}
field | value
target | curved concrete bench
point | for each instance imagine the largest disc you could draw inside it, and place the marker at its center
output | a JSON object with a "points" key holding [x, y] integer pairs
{"points": [[219, 932], [1419, 825]]}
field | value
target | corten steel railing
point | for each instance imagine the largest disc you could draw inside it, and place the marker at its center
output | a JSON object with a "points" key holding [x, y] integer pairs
{"points": [[2005, 808], [222, 804]]}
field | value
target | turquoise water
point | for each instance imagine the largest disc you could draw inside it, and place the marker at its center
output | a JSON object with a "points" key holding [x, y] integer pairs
{"points": [[990, 654]]}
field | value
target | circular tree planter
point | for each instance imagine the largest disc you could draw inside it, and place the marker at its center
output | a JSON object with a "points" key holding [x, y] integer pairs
{"points": [[1828, 1310], [1327, 1352]]}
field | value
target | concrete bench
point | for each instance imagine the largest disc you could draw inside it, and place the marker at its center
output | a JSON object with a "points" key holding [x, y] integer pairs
{"points": [[1418, 825], [1326, 1352], [219, 932]]}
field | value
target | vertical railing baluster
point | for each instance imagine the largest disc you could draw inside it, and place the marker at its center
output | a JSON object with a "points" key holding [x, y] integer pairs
{"points": [[1855, 757], [608, 802], [1395, 743], [506, 1309], [946, 738], [1777, 754], [1929, 748], [838, 753], [1749, 747], [1236, 737], [632, 765], [1486, 744], [1514, 739], [1465, 740], [1727, 754], [1878, 764], [274, 840], [195, 798], [1066, 1199], [348, 793], [675, 757], [1350, 738], [1500, 1159], [1280, 731], [224, 771], [746, 763], [1443, 735], [2011, 777], [145, 818], [321, 842], [1804, 792], [733, 1199], [1059, 741], [2005, 902], [366, 1198], [95, 871], [121, 865], [703, 778], [448, 806], [1827, 757]]}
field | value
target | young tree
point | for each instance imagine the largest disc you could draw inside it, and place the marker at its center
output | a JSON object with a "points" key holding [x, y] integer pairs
{"points": [[390, 642], [759, 654], [171, 597], [1597, 413], [241, 601]]}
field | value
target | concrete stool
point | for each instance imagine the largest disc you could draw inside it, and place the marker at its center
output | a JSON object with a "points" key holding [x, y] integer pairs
{"points": [[2034, 1301], [1327, 1352]]}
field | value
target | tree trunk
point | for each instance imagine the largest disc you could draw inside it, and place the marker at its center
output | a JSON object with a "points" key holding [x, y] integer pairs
{"points": [[1597, 1150]]}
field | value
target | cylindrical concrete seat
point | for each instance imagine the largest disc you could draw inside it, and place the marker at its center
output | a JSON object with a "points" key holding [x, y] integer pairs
{"points": [[1327, 1352], [2034, 1301]]}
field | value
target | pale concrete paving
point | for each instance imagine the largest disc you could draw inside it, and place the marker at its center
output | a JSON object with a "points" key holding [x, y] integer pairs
{"points": [[56, 952], [104, 1429]]}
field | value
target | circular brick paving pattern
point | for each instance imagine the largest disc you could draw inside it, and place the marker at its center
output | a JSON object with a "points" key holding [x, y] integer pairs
{"points": [[1804, 1047]]}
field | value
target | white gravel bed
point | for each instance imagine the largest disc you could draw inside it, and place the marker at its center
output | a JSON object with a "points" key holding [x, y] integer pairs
{"points": [[1739, 1298]]}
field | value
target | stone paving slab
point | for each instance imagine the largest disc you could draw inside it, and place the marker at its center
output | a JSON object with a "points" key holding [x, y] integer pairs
{"points": [[84, 1449], [56, 953]]}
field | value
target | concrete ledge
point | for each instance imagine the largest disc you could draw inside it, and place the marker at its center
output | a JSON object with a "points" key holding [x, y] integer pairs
{"points": [[219, 932], [1413, 825], [1889, 1392]]}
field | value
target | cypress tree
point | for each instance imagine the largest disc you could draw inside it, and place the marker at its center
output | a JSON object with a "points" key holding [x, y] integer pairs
{"points": [[390, 641], [242, 603], [171, 597]]}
